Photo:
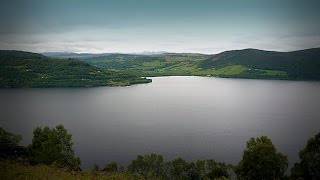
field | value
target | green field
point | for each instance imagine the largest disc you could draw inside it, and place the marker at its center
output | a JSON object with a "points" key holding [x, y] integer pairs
{"points": [[171, 64]]}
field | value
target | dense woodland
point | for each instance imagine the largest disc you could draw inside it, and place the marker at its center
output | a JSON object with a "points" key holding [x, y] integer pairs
{"points": [[51, 156], [23, 69]]}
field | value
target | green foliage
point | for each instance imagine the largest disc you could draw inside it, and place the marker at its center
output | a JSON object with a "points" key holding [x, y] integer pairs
{"points": [[309, 166], [152, 166], [261, 161], [148, 166], [179, 168], [298, 65], [9, 145], [53, 146], [29, 70], [187, 64], [214, 170]]}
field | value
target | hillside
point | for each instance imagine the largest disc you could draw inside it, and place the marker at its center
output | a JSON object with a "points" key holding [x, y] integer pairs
{"points": [[151, 65], [247, 63], [179, 64], [24, 69], [298, 65]]}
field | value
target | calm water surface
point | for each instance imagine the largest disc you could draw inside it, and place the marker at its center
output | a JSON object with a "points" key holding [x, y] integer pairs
{"points": [[191, 117]]}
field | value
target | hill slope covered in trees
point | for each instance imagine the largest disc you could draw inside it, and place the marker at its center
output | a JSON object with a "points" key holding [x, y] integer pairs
{"points": [[297, 65], [247, 63], [24, 69]]}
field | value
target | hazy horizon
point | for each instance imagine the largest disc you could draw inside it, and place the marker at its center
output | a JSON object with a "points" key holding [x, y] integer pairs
{"points": [[123, 26]]}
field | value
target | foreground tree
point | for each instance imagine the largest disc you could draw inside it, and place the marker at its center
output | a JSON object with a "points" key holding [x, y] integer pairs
{"points": [[309, 166], [208, 169], [53, 146], [180, 168], [149, 166], [9, 148], [261, 161]]}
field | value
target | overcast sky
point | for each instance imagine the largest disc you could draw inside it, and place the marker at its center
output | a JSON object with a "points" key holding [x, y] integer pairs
{"points": [[203, 26]]}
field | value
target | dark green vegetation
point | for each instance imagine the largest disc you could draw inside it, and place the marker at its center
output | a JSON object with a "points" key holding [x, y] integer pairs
{"points": [[153, 166], [50, 156], [24, 69], [53, 146], [261, 161], [296, 65], [309, 166], [9, 144], [247, 63]]}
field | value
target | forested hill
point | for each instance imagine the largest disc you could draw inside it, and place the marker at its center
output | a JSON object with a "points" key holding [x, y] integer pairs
{"points": [[247, 63], [24, 69], [299, 65]]}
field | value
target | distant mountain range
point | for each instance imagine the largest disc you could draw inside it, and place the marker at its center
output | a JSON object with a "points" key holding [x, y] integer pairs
{"points": [[92, 55], [73, 55]]}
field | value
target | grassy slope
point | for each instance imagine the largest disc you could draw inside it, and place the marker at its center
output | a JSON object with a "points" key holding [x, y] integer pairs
{"points": [[23, 69], [248, 63], [177, 64], [13, 170], [300, 65]]}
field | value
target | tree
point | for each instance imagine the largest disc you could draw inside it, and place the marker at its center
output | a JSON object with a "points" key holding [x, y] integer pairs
{"points": [[9, 145], [53, 146], [179, 168], [148, 166], [210, 169], [216, 170], [261, 160], [309, 166]]}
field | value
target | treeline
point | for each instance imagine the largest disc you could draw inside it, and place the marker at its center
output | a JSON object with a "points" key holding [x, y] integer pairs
{"points": [[260, 160]]}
